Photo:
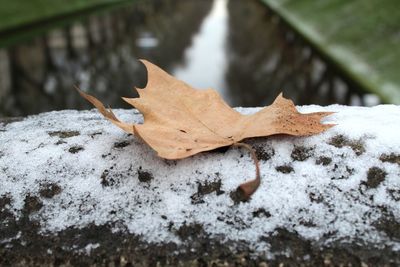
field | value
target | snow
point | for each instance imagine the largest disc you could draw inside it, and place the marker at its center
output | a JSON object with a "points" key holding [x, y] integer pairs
{"points": [[99, 184], [89, 247]]}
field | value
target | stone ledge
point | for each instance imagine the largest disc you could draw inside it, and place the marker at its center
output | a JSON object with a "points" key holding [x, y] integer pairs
{"points": [[77, 190]]}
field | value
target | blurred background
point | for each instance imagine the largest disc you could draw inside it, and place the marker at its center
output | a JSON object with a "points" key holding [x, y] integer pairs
{"points": [[247, 50]]}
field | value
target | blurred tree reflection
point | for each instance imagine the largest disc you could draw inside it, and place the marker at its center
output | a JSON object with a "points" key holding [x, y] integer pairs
{"points": [[100, 54], [266, 57]]}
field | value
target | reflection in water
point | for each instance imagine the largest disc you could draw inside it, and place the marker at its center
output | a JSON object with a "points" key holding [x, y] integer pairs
{"points": [[100, 54], [205, 61], [147, 40], [233, 46], [267, 58]]}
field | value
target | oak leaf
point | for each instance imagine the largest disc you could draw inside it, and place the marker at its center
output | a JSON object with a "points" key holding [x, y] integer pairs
{"points": [[180, 121]]}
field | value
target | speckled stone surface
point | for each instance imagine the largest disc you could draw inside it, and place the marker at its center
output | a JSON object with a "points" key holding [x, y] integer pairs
{"points": [[76, 190]]}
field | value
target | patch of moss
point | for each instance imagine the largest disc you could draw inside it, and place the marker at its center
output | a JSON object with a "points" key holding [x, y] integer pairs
{"points": [[261, 212], [75, 149], [205, 189], [49, 190], [64, 134], [347, 173], [285, 169], [190, 231], [389, 225], [283, 238], [392, 158], [340, 141], [144, 176], [375, 176], [121, 144], [324, 161], [32, 204], [307, 223], [4, 200], [60, 142], [235, 221], [238, 196], [92, 135], [264, 153], [394, 194], [315, 197], [301, 153], [104, 181]]}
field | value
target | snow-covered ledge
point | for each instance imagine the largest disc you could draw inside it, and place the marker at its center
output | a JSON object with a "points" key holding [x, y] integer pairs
{"points": [[72, 184]]}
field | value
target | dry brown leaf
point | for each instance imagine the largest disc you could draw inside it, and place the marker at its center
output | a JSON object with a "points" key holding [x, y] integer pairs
{"points": [[180, 121]]}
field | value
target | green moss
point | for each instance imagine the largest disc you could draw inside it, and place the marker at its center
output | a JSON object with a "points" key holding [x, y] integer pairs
{"points": [[49, 190], [261, 212], [22, 20], [375, 177], [360, 37], [388, 224], [205, 189], [32, 204], [392, 158], [323, 161], [75, 149], [19, 13], [301, 153], [237, 196], [187, 231], [264, 153], [64, 134], [285, 169], [340, 141], [121, 144], [144, 176]]}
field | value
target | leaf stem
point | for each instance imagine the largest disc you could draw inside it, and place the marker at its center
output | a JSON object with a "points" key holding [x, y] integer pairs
{"points": [[249, 187]]}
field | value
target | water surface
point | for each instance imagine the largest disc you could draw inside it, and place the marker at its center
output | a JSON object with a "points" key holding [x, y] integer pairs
{"points": [[236, 47]]}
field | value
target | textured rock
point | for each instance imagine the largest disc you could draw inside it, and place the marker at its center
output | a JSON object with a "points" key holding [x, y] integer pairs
{"points": [[77, 190]]}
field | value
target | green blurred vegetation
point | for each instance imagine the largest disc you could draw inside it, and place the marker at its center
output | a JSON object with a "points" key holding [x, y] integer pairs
{"points": [[362, 37], [21, 20], [17, 13]]}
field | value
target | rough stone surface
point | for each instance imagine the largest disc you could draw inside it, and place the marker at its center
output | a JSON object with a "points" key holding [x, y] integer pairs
{"points": [[75, 190]]}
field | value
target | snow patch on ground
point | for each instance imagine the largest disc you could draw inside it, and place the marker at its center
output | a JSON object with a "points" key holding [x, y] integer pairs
{"points": [[86, 171]]}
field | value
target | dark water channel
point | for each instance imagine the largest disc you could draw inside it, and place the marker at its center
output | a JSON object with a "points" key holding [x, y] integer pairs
{"points": [[236, 47]]}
